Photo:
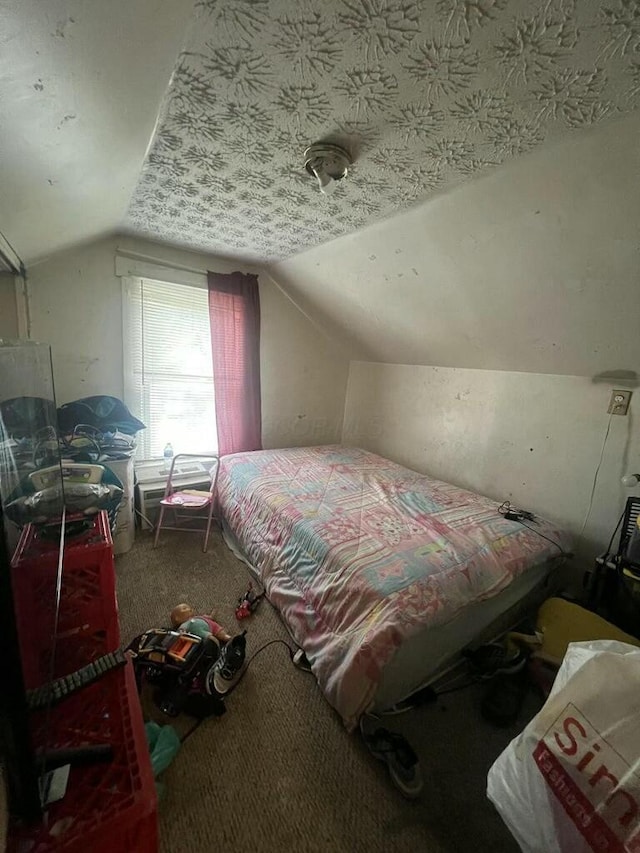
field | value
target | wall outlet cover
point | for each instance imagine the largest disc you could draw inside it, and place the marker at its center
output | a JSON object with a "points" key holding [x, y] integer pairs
{"points": [[619, 403]]}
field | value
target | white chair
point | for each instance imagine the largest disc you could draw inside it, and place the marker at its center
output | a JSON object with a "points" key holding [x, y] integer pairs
{"points": [[187, 503]]}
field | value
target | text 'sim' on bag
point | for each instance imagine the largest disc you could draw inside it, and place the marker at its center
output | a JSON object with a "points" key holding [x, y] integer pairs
{"points": [[570, 782]]}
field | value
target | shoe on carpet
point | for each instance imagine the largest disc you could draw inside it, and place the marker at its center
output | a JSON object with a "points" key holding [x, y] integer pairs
{"points": [[301, 661], [503, 701], [226, 671], [395, 751], [497, 659]]}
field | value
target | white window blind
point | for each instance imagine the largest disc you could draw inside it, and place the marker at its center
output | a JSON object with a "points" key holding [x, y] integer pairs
{"points": [[168, 367]]}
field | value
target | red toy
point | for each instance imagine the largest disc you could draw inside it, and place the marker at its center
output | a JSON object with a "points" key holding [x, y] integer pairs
{"points": [[248, 603]]}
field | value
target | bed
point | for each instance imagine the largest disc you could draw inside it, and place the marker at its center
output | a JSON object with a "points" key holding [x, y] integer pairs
{"points": [[380, 573]]}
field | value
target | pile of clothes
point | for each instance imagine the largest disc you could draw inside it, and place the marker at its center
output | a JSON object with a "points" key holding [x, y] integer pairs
{"points": [[87, 432], [92, 429]]}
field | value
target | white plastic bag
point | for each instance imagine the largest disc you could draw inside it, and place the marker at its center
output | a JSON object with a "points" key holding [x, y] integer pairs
{"points": [[570, 783]]}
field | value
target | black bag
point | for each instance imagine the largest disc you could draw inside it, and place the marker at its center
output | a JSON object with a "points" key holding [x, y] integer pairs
{"points": [[106, 414]]}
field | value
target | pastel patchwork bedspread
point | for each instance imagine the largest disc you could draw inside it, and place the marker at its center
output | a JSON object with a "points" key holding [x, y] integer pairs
{"points": [[359, 554]]}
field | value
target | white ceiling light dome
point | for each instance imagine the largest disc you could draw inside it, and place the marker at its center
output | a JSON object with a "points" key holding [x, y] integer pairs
{"points": [[327, 162]]}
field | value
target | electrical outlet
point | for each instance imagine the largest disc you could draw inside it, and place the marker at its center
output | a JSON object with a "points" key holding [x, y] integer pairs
{"points": [[619, 403]]}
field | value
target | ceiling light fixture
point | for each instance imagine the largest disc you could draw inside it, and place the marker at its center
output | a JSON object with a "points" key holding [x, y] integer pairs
{"points": [[631, 480], [328, 163]]}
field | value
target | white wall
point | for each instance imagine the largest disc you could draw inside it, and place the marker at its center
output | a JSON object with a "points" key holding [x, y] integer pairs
{"points": [[8, 307], [303, 374], [534, 439], [72, 151], [76, 306]]}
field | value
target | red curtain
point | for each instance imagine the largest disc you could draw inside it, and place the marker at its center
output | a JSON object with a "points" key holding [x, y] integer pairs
{"points": [[234, 311]]}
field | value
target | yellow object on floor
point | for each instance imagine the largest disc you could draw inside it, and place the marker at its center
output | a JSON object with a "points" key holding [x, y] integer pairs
{"points": [[562, 622]]}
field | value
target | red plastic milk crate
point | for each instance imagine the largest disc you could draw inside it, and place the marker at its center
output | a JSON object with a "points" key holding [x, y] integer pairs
{"points": [[88, 620], [108, 808]]}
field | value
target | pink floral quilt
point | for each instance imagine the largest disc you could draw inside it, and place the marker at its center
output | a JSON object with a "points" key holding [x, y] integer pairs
{"points": [[359, 554]]}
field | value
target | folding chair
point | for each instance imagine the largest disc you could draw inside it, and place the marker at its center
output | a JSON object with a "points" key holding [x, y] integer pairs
{"points": [[188, 501]]}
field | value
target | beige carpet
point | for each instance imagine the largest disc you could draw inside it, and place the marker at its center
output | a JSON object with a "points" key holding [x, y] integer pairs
{"points": [[278, 772]]}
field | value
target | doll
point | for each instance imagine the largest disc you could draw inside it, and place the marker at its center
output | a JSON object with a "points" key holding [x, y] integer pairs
{"points": [[184, 618]]}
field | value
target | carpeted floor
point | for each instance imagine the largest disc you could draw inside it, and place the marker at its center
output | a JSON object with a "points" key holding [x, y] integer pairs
{"points": [[278, 772]]}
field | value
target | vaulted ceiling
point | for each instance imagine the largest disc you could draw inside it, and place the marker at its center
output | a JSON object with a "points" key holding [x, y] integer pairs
{"points": [[425, 93]]}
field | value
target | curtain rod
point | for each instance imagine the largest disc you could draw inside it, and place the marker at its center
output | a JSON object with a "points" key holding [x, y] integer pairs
{"points": [[138, 256], [160, 262]]}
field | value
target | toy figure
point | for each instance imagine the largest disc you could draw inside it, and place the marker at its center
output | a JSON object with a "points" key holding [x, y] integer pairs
{"points": [[192, 666], [183, 618], [248, 602]]}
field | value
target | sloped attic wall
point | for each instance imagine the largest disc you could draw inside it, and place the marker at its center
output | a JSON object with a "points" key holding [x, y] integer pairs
{"points": [[533, 268], [76, 306], [533, 272]]}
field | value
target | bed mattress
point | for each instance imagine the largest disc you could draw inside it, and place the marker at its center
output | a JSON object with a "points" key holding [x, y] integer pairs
{"points": [[364, 558]]}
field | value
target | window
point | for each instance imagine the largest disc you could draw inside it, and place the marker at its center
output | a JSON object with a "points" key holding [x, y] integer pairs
{"points": [[167, 365]]}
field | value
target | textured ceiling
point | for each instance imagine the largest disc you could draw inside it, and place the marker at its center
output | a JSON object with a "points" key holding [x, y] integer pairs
{"points": [[426, 94]]}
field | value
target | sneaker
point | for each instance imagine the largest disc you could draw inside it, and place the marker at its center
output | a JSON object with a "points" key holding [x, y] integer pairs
{"points": [[390, 747], [226, 671], [301, 661], [497, 659], [503, 701]]}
